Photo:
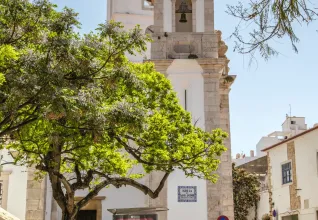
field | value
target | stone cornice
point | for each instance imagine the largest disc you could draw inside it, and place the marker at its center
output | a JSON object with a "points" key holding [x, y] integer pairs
{"points": [[213, 61], [4, 175], [161, 65], [214, 67], [225, 84]]}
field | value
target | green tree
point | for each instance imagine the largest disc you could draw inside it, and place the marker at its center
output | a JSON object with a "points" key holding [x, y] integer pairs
{"points": [[268, 20], [7, 53], [245, 192], [78, 111], [25, 32]]}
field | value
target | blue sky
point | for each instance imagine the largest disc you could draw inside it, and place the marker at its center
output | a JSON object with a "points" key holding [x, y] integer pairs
{"points": [[262, 93]]}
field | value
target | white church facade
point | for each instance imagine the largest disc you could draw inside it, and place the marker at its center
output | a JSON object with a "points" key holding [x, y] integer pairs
{"points": [[189, 52]]}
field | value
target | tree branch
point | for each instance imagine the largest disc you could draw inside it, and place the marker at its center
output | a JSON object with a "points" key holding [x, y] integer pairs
{"points": [[118, 182]]}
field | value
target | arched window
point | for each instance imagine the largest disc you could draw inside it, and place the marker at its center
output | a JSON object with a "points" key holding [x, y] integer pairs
{"points": [[183, 15]]}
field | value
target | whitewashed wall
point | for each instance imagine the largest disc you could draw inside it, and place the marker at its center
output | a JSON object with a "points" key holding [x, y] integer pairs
{"points": [[187, 75], [186, 210], [262, 207], [16, 200], [127, 7], [263, 204], [306, 148], [263, 143], [300, 121], [281, 197], [306, 155]]}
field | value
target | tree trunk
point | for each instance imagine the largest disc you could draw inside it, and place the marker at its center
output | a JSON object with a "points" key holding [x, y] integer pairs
{"points": [[68, 216]]}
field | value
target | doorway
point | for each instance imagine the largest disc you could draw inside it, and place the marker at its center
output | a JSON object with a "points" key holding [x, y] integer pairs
{"points": [[290, 217], [87, 215]]}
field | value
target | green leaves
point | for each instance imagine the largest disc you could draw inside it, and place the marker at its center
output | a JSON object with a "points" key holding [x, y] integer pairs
{"points": [[7, 53], [245, 192]]}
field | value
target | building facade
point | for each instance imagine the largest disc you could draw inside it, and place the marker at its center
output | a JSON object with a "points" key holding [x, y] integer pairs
{"points": [[289, 164], [293, 174]]}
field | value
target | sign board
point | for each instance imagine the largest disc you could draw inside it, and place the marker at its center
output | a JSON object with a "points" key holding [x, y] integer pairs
{"points": [[222, 217], [274, 213], [135, 217], [187, 194]]}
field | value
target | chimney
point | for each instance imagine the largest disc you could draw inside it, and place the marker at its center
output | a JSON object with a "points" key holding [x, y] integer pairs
{"points": [[252, 153], [238, 156]]}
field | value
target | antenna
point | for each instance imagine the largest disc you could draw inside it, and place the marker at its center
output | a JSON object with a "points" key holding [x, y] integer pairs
{"points": [[290, 108]]}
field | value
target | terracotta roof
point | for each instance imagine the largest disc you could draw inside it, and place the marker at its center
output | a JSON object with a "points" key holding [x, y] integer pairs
{"points": [[291, 138]]}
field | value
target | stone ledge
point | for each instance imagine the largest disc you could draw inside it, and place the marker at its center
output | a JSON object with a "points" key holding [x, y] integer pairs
{"points": [[4, 215]]}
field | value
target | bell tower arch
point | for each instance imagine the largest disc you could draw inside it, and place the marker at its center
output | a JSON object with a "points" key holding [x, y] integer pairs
{"points": [[183, 16]]}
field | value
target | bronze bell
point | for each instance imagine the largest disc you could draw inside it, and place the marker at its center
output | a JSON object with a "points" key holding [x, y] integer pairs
{"points": [[183, 18]]}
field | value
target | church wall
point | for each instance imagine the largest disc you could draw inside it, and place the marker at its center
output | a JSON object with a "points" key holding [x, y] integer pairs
{"points": [[199, 15], [186, 210], [129, 7], [206, 100], [187, 75], [121, 198], [14, 194], [124, 197], [167, 18]]}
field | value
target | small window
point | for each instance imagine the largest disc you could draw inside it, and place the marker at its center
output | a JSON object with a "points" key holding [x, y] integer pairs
{"points": [[286, 173], [293, 122]]}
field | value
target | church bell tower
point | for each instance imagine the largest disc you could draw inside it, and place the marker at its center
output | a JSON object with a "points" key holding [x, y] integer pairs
{"points": [[190, 52]]}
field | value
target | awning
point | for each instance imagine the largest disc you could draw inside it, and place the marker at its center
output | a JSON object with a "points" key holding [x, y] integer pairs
{"points": [[142, 210]]}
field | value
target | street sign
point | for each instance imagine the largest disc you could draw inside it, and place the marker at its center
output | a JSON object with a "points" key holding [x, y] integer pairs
{"points": [[222, 217], [187, 194]]}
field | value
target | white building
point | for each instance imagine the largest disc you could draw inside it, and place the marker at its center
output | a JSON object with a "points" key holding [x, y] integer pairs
{"points": [[291, 126], [292, 172], [293, 175], [188, 50]]}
